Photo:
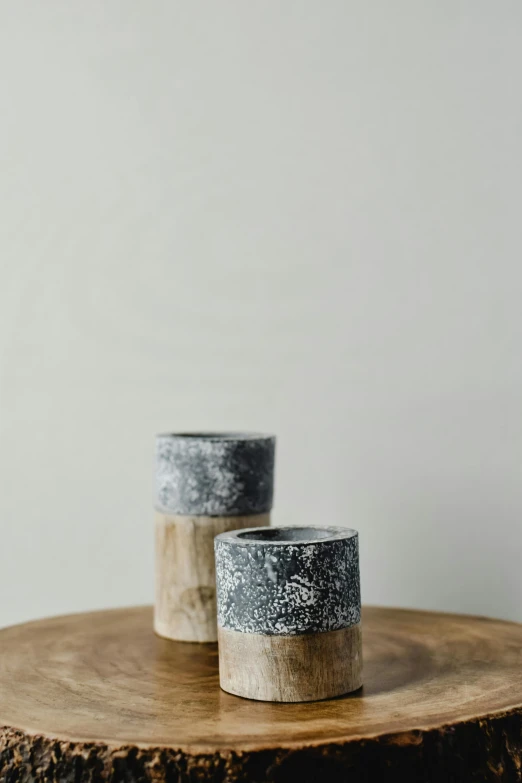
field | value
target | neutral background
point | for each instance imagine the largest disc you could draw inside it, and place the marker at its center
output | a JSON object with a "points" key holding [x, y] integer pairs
{"points": [[298, 217]]}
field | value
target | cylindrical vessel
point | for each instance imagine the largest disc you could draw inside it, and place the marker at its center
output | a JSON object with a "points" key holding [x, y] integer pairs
{"points": [[289, 612], [206, 483]]}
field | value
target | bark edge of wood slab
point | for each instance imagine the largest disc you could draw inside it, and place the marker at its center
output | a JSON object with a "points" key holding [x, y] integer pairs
{"points": [[98, 696]]}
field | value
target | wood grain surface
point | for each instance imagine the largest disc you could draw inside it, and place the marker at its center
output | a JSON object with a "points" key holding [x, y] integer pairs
{"points": [[100, 697], [185, 573], [304, 667]]}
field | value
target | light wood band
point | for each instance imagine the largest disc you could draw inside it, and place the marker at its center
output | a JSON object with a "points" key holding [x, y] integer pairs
{"points": [[185, 607], [305, 667]]}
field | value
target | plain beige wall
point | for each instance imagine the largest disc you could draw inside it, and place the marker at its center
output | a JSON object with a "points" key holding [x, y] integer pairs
{"points": [[301, 217]]}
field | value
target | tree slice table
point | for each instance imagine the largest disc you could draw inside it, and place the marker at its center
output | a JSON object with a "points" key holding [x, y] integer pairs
{"points": [[99, 697]]}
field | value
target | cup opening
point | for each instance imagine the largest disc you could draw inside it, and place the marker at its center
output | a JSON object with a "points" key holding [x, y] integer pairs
{"points": [[218, 435], [285, 534]]}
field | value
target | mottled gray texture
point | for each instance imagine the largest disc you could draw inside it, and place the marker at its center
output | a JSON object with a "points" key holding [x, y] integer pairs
{"points": [[215, 474], [292, 582]]}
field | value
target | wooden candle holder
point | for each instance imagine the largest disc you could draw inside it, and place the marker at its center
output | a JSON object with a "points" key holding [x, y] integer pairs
{"points": [[289, 612], [207, 483]]}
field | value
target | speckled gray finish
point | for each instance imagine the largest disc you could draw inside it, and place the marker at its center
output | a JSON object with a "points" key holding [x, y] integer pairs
{"points": [[288, 581], [215, 474]]}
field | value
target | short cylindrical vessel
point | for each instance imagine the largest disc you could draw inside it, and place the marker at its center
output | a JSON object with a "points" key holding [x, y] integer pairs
{"points": [[289, 612], [206, 483]]}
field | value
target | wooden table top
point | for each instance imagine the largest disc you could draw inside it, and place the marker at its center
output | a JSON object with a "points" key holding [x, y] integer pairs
{"points": [[104, 680]]}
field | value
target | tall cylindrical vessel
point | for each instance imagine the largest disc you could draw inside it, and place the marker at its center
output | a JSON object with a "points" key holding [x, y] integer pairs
{"points": [[206, 483], [289, 611]]}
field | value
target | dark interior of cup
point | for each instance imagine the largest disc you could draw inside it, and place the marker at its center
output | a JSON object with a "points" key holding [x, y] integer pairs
{"points": [[219, 435], [288, 534]]}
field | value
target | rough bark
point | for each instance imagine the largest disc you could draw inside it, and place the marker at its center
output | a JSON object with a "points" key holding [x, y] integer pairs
{"points": [[479, 751]]}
